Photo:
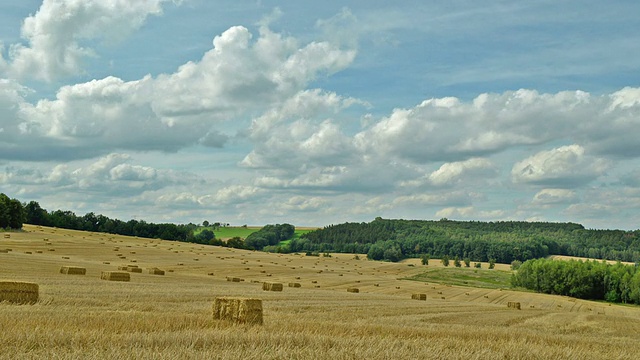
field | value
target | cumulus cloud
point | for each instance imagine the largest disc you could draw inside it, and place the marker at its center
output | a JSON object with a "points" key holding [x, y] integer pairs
{"points": [[111, 175], [236, 78], [440, 199], [554, 196], [449, 173], [447, 129], [305, 204], [469, 212], [55, 34], [563, 166]]}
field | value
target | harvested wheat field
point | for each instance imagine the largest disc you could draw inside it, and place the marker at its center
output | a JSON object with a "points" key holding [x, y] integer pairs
{"points": [[172, 316]]}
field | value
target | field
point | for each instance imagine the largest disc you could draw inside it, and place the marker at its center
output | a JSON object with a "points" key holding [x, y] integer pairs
{"points": [[226, 233], [170, 316]]}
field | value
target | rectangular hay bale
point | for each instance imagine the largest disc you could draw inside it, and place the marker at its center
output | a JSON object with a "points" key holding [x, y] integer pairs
{"points": [[353, 290], [269, 286], [238, 310], [134, 269], [295, 285], [513, 305], [73, 270], [115, 276], [419, 296], [18, 292], [156, 271]]}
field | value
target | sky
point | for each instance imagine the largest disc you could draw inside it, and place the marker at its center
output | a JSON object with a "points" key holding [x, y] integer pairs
{"points": [[317, 113]]}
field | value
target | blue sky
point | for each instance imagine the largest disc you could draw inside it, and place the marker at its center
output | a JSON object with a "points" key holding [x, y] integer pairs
{"points": [[313, 113]]}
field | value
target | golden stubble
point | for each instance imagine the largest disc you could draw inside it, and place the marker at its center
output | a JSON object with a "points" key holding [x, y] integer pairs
{"points": [[170, 316]]}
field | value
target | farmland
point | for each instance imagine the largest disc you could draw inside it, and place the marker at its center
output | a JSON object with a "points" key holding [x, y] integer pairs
{"points": [[170, 316], [228, 232]]}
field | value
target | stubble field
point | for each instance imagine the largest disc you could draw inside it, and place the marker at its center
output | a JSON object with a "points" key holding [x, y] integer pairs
{"points": [[170, 317]]}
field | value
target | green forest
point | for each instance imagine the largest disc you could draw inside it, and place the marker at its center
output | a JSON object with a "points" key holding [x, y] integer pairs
{"points": [[586, 280], [503, 241]]}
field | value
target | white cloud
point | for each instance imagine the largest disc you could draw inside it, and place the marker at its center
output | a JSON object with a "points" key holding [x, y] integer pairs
{"points": [[233, 80], [232, 195], [470, 212], [305, 204], [449, 173], [448, 129], [554, 196], [55, 34], [111, 175], [450, 198], [563, 166]]}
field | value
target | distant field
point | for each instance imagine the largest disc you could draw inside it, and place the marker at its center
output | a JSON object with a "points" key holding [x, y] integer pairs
{"points": [[225, 233], [481, 278], [566, 258], [228, 232]]}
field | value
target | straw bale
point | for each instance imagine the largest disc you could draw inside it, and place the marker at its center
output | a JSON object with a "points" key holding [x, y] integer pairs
{"points": [[65, 257], [73, 270], [238, 310], [269, 286], [18, 292], [353, 290], [419, 296], [156, 271], [7, 236], [295, 285], [134, 268], [233, 279], [4, 251], [513, 305], [115, 276]]}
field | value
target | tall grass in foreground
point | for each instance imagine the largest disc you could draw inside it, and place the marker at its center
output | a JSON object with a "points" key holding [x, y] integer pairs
{"points": [[303, 325]]}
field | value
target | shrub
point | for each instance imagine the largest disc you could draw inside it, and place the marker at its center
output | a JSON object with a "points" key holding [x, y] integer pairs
{"points": [[515, 264], [456, 262], [492, 263], [445, 260], [467, 262]]}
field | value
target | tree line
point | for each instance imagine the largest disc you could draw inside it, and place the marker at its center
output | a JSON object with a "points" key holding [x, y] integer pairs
{"points": [[503, 241], [11, 213], [585, 280], [269, 235]]}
